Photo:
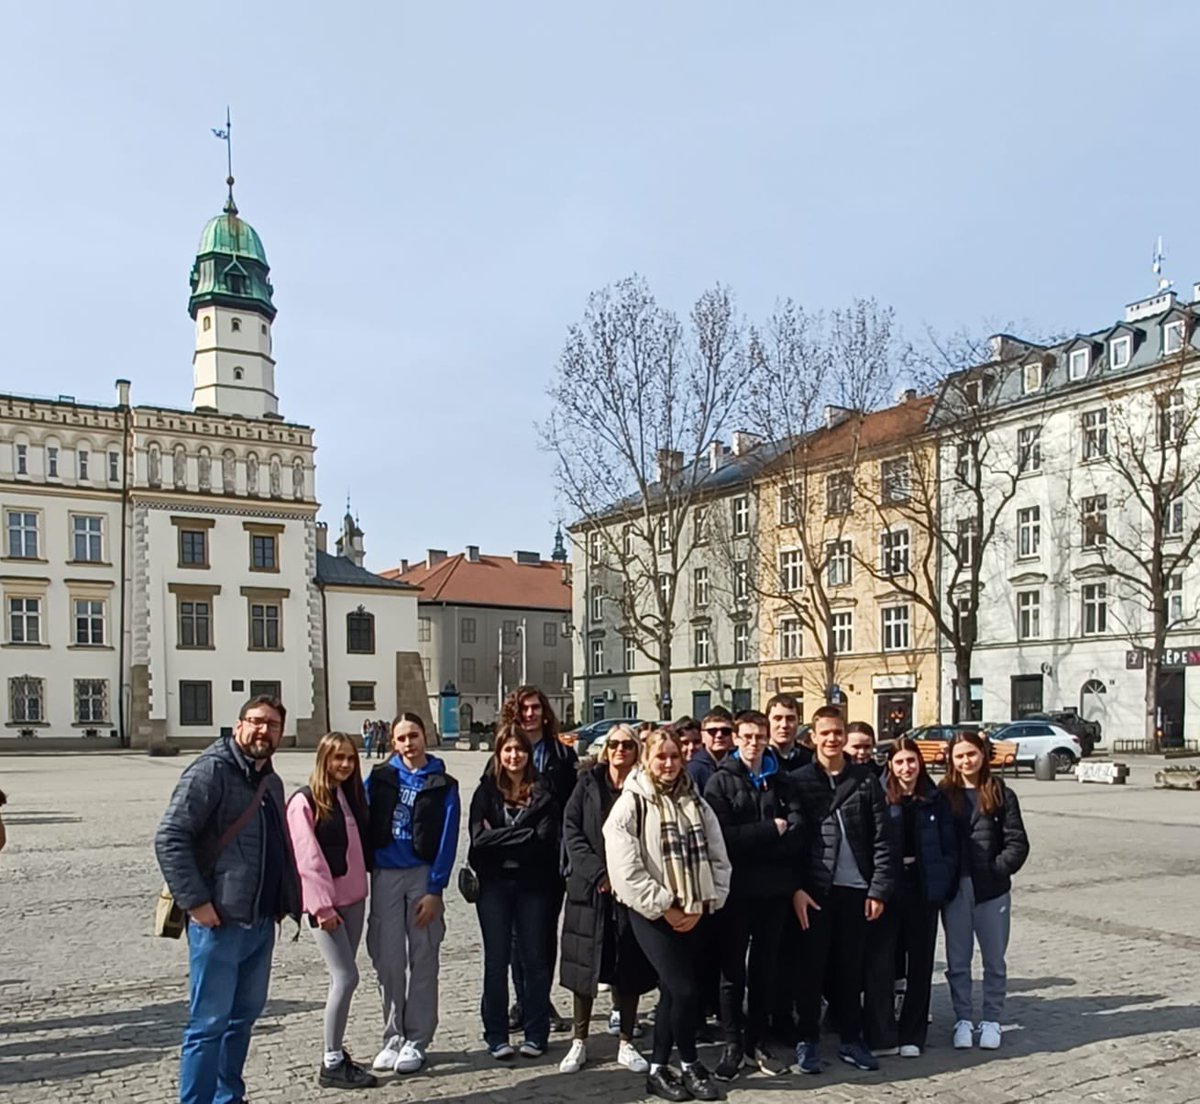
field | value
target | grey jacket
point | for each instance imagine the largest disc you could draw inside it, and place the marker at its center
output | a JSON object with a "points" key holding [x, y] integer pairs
{"points": [[210, 795]]}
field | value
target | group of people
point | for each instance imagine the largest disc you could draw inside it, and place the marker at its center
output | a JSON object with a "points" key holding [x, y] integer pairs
{"points": [[376, 738], [742, 872]]}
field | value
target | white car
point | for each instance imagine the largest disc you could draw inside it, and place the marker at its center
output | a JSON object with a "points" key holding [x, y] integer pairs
{"points": [[1034, 738]]}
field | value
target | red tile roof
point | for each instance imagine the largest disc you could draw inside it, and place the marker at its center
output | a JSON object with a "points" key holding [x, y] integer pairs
{"points": [[867, 432], [490, 581]]}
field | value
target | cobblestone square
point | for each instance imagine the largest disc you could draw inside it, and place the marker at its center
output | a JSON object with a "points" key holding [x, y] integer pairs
{"points": [[1104, 966]]}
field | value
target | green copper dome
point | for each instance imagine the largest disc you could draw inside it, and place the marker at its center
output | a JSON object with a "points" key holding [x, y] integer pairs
{"points": [[231, 266]]}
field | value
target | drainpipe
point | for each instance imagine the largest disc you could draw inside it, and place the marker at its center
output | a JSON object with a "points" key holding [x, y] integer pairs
{"points": [[941, 597], [126, 459], [325, 653]]}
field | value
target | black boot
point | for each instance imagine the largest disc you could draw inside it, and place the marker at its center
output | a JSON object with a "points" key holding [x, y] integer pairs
{"points": [[697, 1081], [732, 1059], [665, 1083]]}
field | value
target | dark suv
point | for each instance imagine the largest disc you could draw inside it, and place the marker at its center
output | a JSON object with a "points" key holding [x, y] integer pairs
{"points": [[1087, 731]]}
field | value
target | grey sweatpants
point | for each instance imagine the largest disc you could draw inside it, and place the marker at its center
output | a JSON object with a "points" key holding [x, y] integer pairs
{"points": [[339, 949], [964, 922], [405, 956]]}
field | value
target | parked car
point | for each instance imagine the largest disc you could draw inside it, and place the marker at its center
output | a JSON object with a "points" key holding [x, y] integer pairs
{"points": [[943, 732], [589, 734], [1087, 731], [1034, 738]]}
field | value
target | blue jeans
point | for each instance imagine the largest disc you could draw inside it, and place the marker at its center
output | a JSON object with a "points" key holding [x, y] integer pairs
{"points": [[229, 970], [507, 911]]}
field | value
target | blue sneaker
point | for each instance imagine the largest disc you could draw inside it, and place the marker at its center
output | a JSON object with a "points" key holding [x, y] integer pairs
{"points": [[858, 1055], [808, 1058]]}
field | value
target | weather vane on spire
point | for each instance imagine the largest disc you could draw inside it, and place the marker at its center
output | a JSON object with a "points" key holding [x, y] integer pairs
{"points": [[225, 134], [1159, 257]]}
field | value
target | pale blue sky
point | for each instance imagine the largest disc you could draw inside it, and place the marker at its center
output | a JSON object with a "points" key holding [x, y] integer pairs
{"points": [[439, 186]]}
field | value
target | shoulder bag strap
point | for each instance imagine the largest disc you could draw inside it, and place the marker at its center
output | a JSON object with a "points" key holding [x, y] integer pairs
{"points": [[235, 829]]}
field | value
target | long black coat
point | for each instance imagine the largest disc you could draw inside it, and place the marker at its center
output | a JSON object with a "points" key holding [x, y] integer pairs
{"points": [[594, 921]]}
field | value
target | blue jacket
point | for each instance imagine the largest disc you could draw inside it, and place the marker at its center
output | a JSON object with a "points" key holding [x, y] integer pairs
{"points": [[414, 818], [702, 766], [937, 844]]}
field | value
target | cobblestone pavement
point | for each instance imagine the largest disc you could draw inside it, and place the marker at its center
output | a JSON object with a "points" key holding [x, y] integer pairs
{"points": [[1104, 966]]}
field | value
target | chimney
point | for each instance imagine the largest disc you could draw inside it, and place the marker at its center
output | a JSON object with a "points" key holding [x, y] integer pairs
{"points": [[473, 553], [434, 556], [122, 392], [715, 452], [404, 567], [835, 415], [670, 464], [1196, 292], [910, 394], [744, 441], [322, 536], [528, 558]]}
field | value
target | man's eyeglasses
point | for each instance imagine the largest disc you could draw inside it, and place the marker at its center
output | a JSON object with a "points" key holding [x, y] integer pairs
{"points": [[623, 745], [723, 731], [757, 737], [263, 722]]}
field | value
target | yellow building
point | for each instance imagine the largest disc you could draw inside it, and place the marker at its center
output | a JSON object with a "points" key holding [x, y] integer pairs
{"points": [[843, 550]]}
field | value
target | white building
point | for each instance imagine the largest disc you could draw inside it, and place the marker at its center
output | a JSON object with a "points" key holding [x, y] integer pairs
{"points": [[161, 566]]}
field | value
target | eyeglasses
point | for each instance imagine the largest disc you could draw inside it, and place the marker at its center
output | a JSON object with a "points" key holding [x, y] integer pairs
{"points": [[719, 731], [623, 745], [263, 722], [755, 737]]}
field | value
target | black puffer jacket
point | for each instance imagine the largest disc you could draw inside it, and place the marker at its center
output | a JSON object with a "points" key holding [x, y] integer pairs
{"points": [[526, 852], [210, 795], [859, 797], [765, 863], [996, 846], [799, 756], [936, 842]]}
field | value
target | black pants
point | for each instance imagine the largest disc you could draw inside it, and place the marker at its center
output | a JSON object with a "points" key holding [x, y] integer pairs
{"points": [[916, 939], [756, 925], [783, 1002], [837, 936], [673, 956]]}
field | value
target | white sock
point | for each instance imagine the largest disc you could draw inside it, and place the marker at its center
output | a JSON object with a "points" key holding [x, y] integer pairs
{"points": [[333, 1058], [655, 1067], [685, 1065]]}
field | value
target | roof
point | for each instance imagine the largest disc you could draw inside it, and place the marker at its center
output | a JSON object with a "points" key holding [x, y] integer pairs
{"points": [[231, 266], [339, 571], [489, 581], [228, 233], [868, 432]]}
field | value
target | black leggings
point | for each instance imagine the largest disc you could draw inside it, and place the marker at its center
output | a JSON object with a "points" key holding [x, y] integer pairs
{"points": [[673, 956]]}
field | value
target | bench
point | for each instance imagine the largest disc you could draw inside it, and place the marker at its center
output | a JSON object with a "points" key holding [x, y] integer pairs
{"points": [[933, 752], [1004, 755]]}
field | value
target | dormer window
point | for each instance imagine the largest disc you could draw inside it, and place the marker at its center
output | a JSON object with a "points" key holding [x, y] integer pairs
{"points": [[1033, 377], [236, 283], [1078, 363], [235, 324], [1120, 351], [1173, 336]]}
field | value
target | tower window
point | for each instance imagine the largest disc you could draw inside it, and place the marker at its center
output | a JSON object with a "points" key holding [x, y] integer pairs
{"points": [[206, 325], [238, 373], [264, 326], [235, 324], [236, 283]]}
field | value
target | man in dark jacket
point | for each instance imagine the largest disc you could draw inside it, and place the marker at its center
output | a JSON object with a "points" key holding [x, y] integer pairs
{"points": [[717, 732], [848, 872], [783, 716], [233, 894]]}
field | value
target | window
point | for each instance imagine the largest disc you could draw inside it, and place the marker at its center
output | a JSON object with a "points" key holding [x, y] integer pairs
{"points": [[597, 605], [1095, 609], [424, 630], [894, 548], [702, 647], [1029, 449], [466, 669], [362, 695], [85, 537], [26, 700], [627, 542], [1029, 532], [1173, 336], [466, 630], [549, 634], [193, 548], [741, 580], [837, 562], [1173, 599], [1171, 419], [1173, 517], [700, 525], [791, 644], [841, 625], [1095, 434], [264, 627], [1120, 351], [1029, 615], [91, 701], [238, 373], [22, 459], [597, 657], [263, 552], [1078, 363], [789, 505], [1094, 514], [964, 462], [896, 629], [964, 620], [22, 534], [973, 392], [741, 643], [630, 650], [206, 325], [360, 632], [82, 457], [549, 674], [195, 703], [664, 589], [594, 549], [194, 624], [700, 588], [791, 571], [838, 493], [24, 620], [895, 479], [741, 515], [1031, 380], [89, 622], [269, 688], [235, 324], [968, 541], [114, 466], [52, 461], [426, 668], [664, 538], [508, 632]]}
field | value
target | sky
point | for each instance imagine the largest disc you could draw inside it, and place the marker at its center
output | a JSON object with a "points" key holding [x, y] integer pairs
{"points": [[440, 186]]}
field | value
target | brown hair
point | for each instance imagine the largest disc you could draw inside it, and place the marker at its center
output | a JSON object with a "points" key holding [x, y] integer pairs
{"points": [[411, 718], [513, 793], [322, 787], [685, 724], [717, 713], [751, 717], [828, 712], [788, 701], [510, 712], [264, 699], [989, 789], [861, 726], [892, 786]]}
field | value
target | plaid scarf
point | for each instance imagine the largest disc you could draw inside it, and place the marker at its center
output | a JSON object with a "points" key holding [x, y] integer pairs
{"points": [[684, 843]]}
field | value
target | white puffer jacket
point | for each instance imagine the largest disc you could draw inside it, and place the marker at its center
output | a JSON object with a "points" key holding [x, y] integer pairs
{"points": [[635, 867]]}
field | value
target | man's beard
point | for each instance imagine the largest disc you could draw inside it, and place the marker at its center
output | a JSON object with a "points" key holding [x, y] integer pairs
{"points": [[259, 749]]}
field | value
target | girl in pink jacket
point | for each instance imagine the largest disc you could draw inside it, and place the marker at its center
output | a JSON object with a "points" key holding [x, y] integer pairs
{"points": [[327, 821]]}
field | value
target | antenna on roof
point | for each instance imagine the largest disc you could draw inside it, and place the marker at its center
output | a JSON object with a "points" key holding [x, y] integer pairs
{"points": [[1157, 266]]}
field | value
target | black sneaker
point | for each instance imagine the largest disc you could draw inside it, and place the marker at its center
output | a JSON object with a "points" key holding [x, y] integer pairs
{"points": [[560, 1023], [731, 1061], [665, 1083], [347, 1074], [762, 1057], [697, 1081]]}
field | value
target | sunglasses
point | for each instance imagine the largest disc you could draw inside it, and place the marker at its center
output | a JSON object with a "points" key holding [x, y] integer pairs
{"points": [[623, 745], [719, 731]]}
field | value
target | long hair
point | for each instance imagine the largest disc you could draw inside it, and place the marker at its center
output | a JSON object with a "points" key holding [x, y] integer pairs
{"points": [[895, 792], [989, 789], [322, 787], [510, 712], [514, 793]]}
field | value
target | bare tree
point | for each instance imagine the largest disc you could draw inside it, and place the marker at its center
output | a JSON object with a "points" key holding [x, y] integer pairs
{"points": [[638, 400]]}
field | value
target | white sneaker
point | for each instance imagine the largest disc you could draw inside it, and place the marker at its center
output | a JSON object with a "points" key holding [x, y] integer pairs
{"points": [[385, 1060], [886, 1052], [964, 1035], [576, 1058], [628, 1056], [614, 1025], [410, 1059], [909, 1050], [989, 1035]]}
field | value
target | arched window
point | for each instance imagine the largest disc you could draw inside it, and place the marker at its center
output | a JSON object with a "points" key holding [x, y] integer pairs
{"points": [[360, 632], [466, 716], [235, 324], [238, 373], [154, 465], [179, 468], [206, 323], [229, 472]]}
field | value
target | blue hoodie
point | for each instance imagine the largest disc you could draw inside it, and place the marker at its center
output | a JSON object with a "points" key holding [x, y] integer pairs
{"points": [[399, 854], [770, 766]]}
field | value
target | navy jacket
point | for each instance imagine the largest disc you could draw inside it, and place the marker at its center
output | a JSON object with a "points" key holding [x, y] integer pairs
{"points": [[937, 844], [702, 766]]}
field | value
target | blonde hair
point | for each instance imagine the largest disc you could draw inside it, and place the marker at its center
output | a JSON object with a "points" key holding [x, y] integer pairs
{"points": [[656, 739], [319, 784], [616, 730]]}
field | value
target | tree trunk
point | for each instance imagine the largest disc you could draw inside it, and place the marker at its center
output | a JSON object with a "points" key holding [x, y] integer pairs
{"points": [[1151, 733], [664, 680], [962, 684]]}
